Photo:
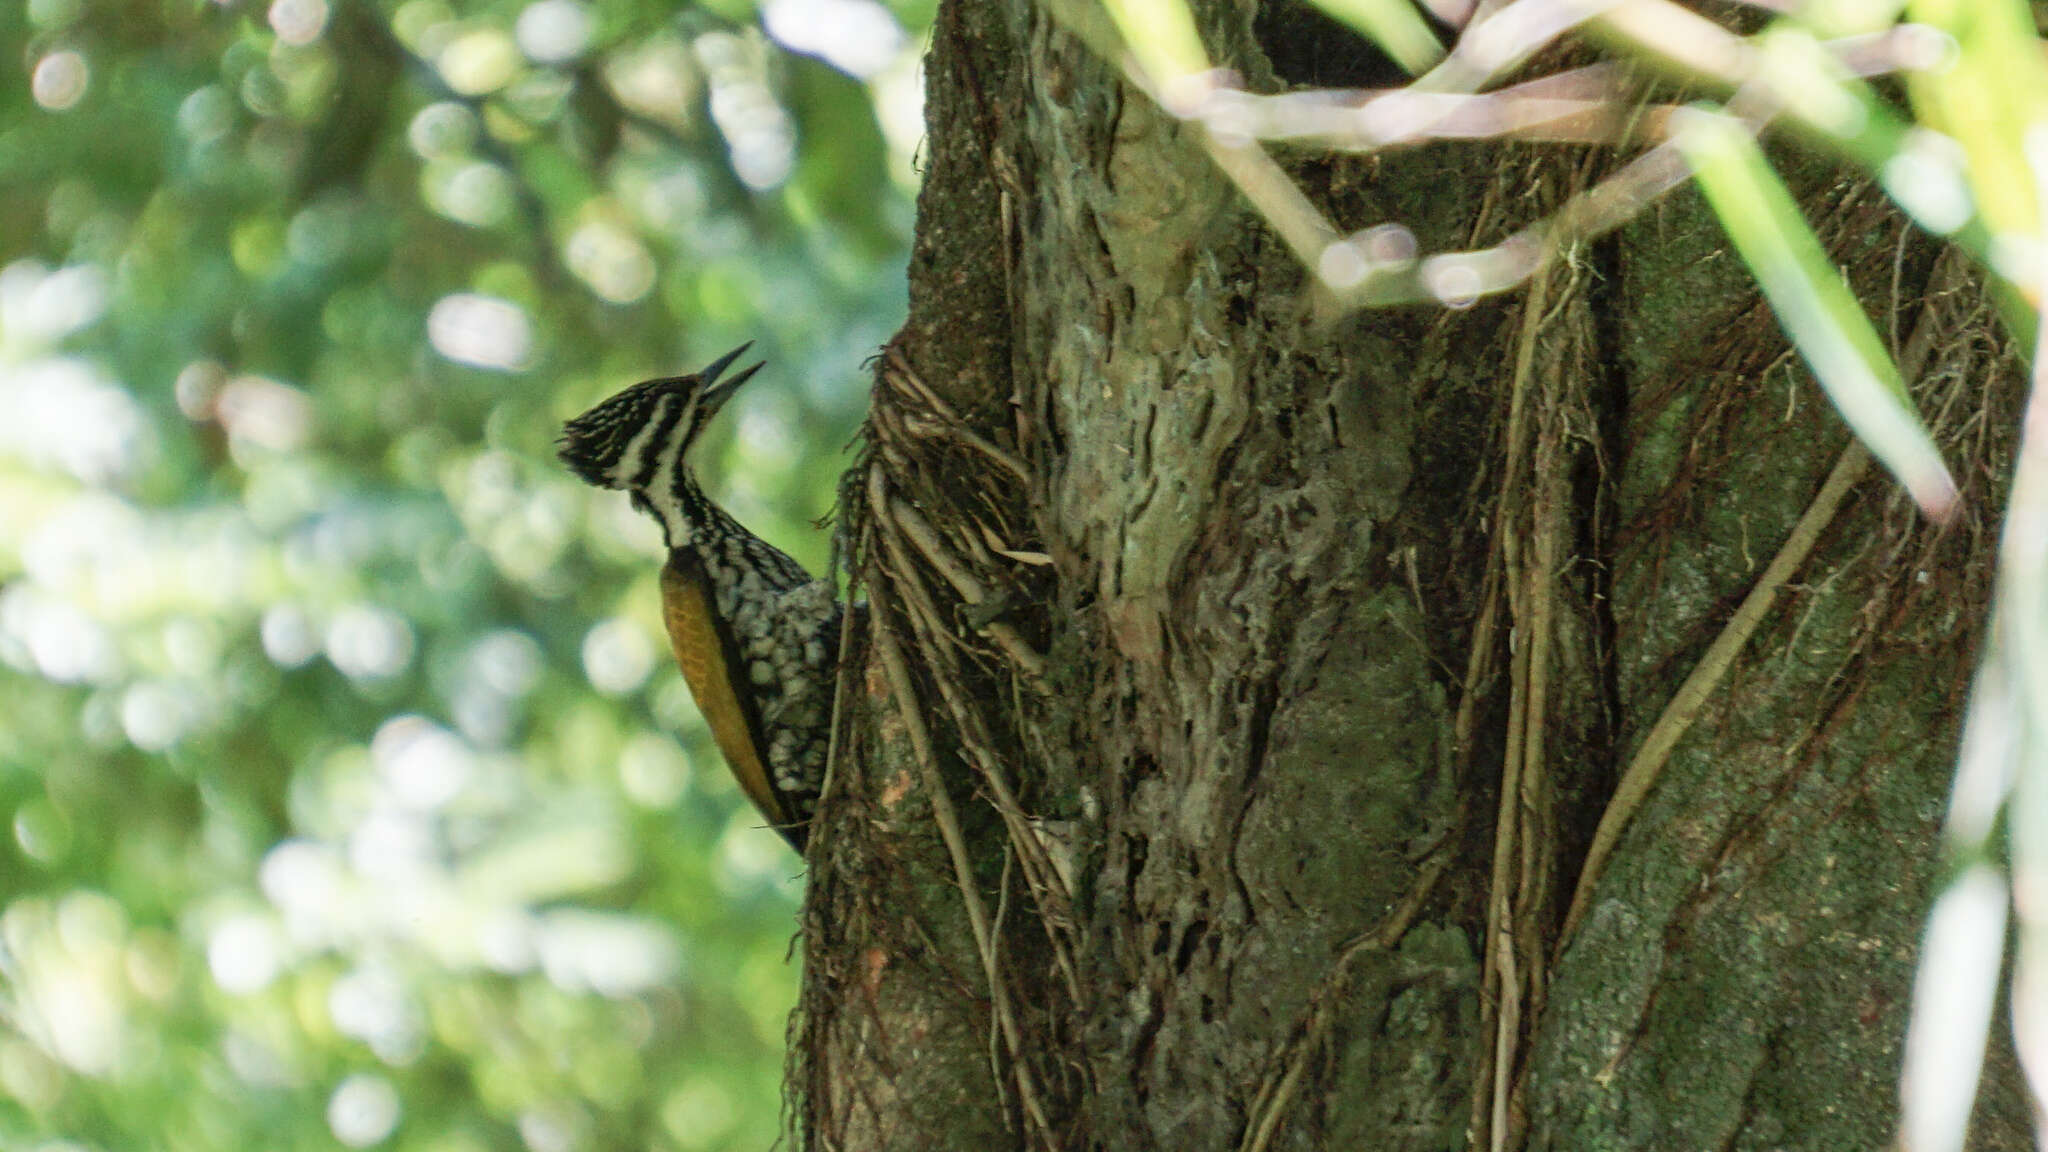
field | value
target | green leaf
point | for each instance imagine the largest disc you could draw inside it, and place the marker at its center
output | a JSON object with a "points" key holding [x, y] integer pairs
{"points": [[1394, 25], [1987, 96], [1812, 304], [1162, 37]]}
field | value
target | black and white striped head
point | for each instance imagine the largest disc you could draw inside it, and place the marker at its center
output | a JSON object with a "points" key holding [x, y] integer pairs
{"points": [[636, 440]]}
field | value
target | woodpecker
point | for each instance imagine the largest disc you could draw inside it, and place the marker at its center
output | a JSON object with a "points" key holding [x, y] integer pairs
{"points": [[756, 636]]}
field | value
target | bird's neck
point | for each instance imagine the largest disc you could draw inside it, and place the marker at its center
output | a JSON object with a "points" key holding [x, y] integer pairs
{"points": [[679, 504], [688, 517]]}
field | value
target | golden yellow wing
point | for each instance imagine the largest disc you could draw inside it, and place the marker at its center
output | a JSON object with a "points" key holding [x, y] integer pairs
{"points": [[707, 667]]}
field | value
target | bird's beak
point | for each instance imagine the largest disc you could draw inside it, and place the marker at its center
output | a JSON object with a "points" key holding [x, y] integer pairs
{"points": [[715, 394]]}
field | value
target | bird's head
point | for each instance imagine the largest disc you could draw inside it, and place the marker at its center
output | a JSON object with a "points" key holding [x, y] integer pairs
{"points": [[637, 439]]}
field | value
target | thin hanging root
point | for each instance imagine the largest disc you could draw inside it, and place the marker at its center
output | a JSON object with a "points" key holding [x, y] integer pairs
{"points": [[900, 374], [939, 650], [920, 533], [839, 717], [1528, 593], [948, 822], [1685, 704], [1278, 1090], [1050, 892]]}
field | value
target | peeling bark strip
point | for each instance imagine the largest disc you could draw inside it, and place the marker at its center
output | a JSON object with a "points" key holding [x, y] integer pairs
{"points": [[1240, 694]]}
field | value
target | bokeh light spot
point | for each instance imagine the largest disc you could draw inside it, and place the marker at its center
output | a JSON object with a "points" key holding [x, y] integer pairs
{"points": [[155, 715], [372, 1005], [617, 656], [655, 80], [469, 192], [549, 1130], [206, 114], [612, 261], [553, 31], [608, 954], [479, 62], [441, 129], [394, 847], [749, 858], [67, 415], [858, 37], [368, 642], [363, 1111], [758, 134], [288, 636], [653, 771], [39, 307], [423, 764], [698, 1114], [54, 638], [263, 415], [481, 331], [298, 21], [305, 882], [60, 80], [245, 954]]}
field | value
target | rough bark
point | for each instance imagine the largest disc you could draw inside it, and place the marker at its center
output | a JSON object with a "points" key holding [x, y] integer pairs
{"points": [[1241, 689]]}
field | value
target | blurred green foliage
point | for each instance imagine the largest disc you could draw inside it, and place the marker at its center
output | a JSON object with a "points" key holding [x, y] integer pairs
{"points": [[350, 794]]}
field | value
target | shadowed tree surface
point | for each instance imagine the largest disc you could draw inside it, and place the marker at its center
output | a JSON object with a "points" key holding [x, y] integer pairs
{"points": [[1244, 682]]}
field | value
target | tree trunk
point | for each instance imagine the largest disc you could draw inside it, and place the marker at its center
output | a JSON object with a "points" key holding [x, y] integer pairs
{"points": [[1243, 685]]}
